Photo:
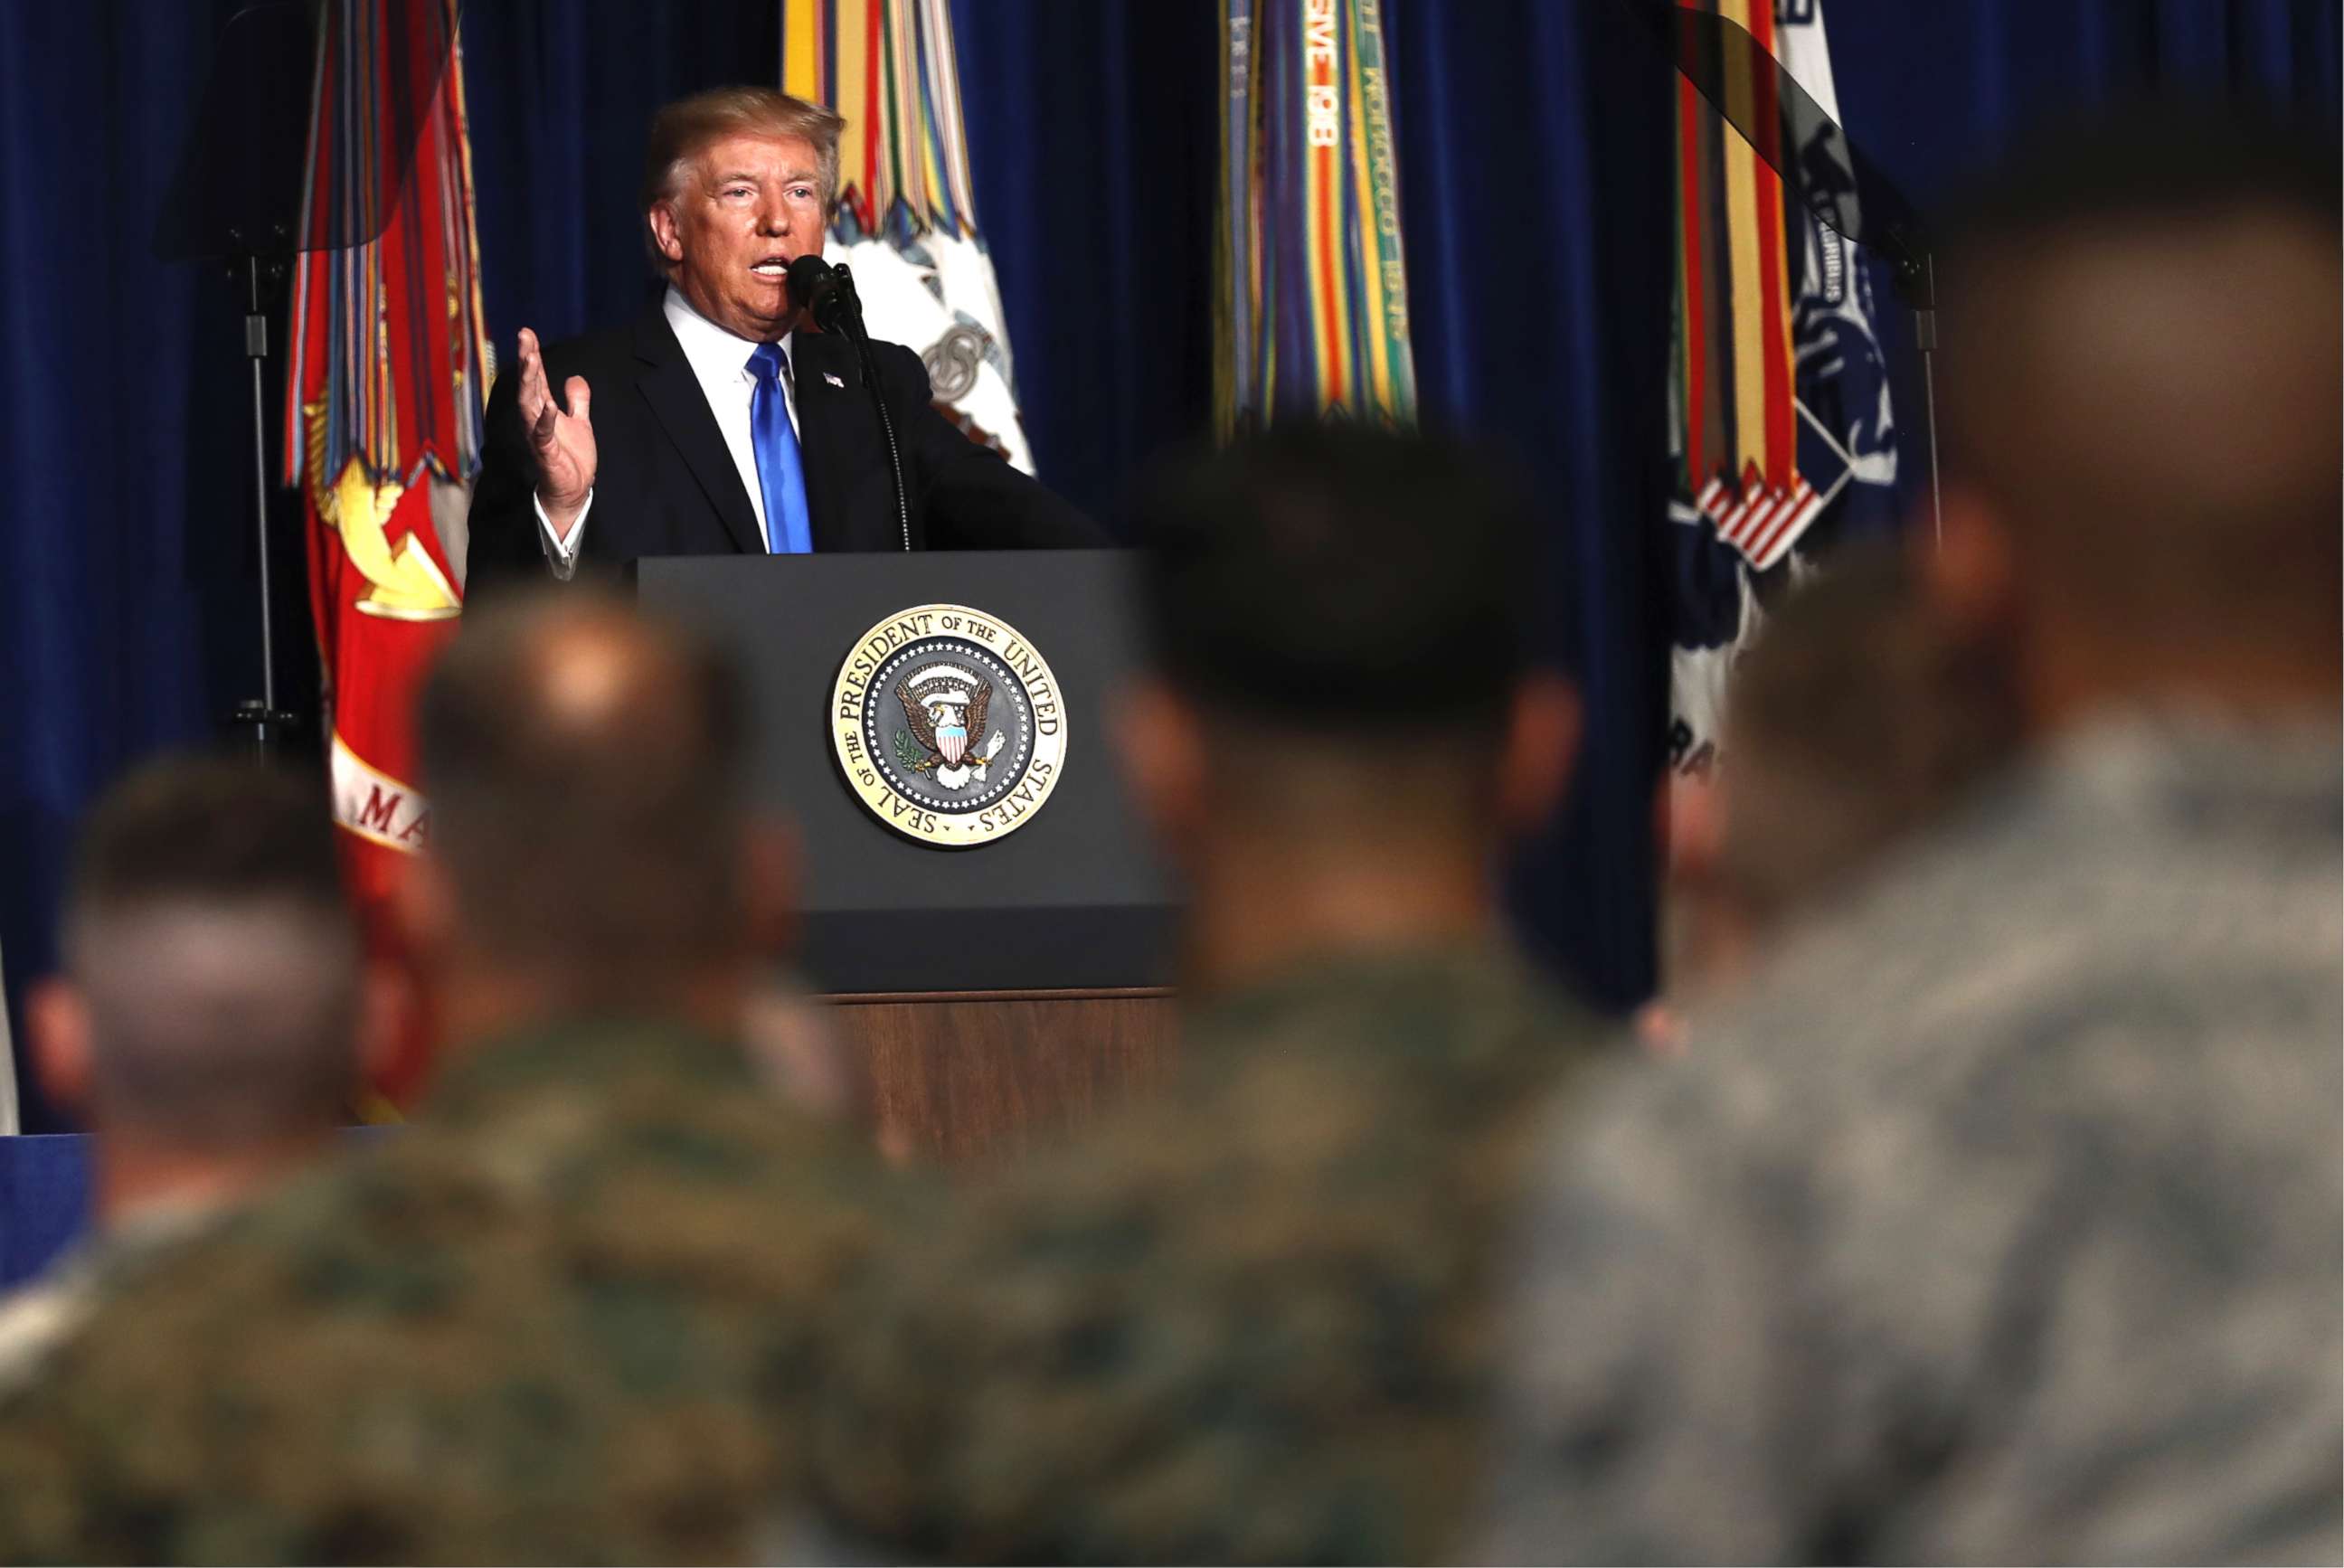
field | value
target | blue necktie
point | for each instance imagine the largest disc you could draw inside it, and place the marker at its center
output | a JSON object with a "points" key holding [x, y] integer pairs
{"points": [[780, 474]]}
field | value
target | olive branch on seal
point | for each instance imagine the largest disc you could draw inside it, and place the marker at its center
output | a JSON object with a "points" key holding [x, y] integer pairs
{"points": [[911, 755]]}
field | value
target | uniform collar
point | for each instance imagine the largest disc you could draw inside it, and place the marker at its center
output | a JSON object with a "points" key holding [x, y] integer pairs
{"points": [[1374, 991], [598, 1049]]}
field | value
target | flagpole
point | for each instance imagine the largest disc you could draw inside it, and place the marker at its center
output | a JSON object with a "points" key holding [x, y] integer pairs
{"points": [[256, 348], [259, 724], [1925, 333]]}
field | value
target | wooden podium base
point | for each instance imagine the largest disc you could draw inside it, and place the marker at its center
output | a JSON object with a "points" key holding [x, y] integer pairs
{"points": [[961, 1076]]}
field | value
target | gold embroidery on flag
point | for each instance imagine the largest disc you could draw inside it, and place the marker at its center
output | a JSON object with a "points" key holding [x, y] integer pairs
{"points": [[404, 584]]}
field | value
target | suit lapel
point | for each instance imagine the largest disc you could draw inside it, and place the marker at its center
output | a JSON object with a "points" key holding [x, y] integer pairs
{"points": [[830, 399], [675, 396]]}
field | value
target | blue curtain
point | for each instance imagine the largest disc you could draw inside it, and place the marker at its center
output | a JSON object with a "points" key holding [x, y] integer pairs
{"points": [[128, 573], [44, 1202], [1535, 170], [1101, 236], [1533, 139]]}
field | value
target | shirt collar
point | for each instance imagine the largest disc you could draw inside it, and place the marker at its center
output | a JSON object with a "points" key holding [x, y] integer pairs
{"points": [[718, 359]]}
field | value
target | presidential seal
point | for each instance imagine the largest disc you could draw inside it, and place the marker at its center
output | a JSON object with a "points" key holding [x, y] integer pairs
{"points": [[949, 725]]}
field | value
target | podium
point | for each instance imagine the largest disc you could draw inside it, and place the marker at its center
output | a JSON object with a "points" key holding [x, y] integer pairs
{"points": [[997, 992]]}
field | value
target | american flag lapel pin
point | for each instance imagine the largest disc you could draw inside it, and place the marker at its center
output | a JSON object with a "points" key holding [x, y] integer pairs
{"points": [[831, 377]]}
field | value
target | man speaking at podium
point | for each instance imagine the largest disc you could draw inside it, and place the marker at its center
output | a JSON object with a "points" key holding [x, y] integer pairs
{"points": [[723, 420]]}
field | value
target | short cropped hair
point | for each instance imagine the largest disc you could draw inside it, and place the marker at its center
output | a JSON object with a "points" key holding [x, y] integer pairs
{"points": [[208, 928], [602, 851], [1338, 581], [684, 129], [2193, 490]]}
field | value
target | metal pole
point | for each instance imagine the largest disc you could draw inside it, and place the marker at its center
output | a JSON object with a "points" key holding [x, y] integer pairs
{"points": [[1936, 494], [1925, 333], [256, 346]]}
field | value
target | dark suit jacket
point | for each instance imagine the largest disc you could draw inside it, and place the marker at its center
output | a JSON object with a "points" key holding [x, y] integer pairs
{"points": [[666, 483]]}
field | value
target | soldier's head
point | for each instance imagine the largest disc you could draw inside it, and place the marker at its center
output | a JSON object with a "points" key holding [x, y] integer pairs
{"points": [[1859, 717], [2140, 396], [592, 848], [210, 995], [1339, 684]]}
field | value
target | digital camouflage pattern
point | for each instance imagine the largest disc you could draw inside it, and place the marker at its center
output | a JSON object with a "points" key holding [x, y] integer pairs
{"points": [[1246, 1320], [567, 1317], [2001, 1223]]}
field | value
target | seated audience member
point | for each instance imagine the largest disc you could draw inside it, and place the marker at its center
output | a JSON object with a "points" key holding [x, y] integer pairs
{"points": [[206, 1027], [567, 1314], [1245, 1319], [1862, 716], [2001, 1221]]}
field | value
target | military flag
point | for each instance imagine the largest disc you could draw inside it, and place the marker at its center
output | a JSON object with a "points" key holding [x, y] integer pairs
{"points": [[388, 373], [906, 217], [1311, 290], [1781, 427]]}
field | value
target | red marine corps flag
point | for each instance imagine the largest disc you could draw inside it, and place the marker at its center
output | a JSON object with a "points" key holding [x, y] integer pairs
{"points": [[389, 365]]}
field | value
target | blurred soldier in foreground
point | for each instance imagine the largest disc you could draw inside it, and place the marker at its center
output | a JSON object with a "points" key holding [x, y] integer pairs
{"points": [[1247, 1320], [2001, 1222], [1861, 717], [206, 1026], [564, 1315]]}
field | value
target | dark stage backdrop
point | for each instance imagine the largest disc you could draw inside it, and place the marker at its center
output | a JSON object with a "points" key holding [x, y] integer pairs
{"points": [[1535, 145]]}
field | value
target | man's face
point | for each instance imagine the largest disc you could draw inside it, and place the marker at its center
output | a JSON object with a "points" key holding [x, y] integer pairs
{"points": [[750, 206]]}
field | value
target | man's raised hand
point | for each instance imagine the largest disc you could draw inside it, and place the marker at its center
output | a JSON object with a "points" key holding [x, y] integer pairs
{"points": [[562, 444]]}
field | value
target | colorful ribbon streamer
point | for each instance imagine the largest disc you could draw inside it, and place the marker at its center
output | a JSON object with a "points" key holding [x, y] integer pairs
{"points": [[1310, 287]]}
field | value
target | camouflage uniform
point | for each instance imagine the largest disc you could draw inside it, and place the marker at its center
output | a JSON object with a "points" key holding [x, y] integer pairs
{"points": [[566, 1318], [2000, 1223], [1247, 1319], [38, 1317]]}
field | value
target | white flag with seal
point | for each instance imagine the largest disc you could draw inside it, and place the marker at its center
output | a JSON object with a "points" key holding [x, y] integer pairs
{"points": [[907, 217]]}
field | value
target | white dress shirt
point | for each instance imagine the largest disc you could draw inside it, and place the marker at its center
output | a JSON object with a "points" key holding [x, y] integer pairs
{"points": [[719, 362]]}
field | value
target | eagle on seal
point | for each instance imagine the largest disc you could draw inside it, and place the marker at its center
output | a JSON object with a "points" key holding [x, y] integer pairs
{"points": [[952, 729]]}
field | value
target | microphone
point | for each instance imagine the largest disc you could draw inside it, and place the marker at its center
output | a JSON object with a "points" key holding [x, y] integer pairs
{"points": [[827, 293]]}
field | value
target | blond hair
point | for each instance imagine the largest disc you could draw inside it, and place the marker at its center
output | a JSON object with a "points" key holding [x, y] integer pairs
{"points": [[687, 127]]}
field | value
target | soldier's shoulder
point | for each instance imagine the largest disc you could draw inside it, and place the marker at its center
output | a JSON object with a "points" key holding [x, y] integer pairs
{"points": [[1181, 1304], [549, 1296], [1406, 1107], [130, 1389], [702, 1197], [1416, 1046]]}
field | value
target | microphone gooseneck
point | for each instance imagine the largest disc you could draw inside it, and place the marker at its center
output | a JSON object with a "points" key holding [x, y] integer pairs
{"points": [[827, 293]]}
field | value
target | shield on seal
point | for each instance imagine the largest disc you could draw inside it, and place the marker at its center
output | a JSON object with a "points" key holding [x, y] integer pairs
{"points": [[952, 739]]}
